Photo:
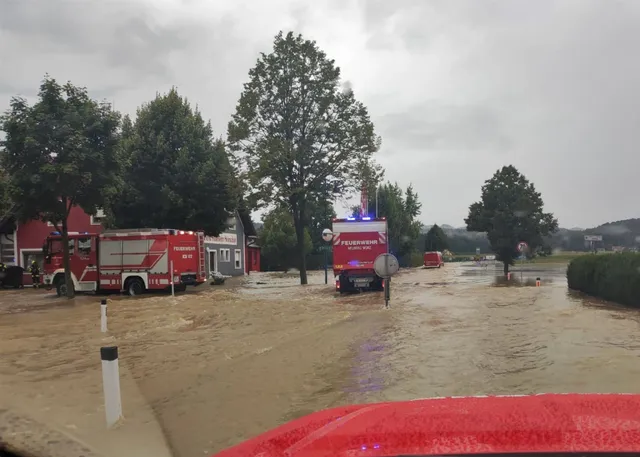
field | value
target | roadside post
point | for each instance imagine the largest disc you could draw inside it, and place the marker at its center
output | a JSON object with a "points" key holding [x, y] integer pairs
{"points": [[111, 384], [327, 235], [385, 266], [103, 315], [522, 248], [173, 289]]}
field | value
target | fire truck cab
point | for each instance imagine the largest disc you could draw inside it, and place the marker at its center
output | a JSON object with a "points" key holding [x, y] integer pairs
{"points": [[134, 260]]}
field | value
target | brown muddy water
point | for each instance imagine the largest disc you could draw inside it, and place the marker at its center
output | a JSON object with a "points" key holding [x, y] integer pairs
{"points": [[224, 364]]}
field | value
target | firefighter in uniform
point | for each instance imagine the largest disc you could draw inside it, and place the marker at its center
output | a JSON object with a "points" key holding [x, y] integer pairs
{"points": [[34, 269]]}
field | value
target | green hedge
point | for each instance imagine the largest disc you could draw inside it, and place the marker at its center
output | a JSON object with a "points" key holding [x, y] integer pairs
{"points": [[614, 277]]}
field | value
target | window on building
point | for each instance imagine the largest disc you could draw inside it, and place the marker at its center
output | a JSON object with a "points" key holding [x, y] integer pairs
{"points": [[238, 258], [98, 218], [30, 256], [84, 247], [225, 255]]}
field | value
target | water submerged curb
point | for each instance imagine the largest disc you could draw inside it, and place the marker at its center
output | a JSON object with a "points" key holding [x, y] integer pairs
{"points": [[26, 437]]}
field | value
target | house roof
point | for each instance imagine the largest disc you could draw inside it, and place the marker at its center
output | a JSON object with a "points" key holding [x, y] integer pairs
{"points": [[247, 223]]}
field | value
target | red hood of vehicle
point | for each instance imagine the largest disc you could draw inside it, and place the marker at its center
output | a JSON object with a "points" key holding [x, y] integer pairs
{"points": [[460, 425]]}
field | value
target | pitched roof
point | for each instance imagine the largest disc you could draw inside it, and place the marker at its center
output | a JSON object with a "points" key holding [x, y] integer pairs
{"points": [[245, 217]]}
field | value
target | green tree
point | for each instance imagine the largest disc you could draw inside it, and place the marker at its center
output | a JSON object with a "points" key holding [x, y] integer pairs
{"points": [[59, 153], [278, 240], [401, 210], [177, 174], [320, 217], [510, 211], [6, 204], [296, 130], [436, 239]]}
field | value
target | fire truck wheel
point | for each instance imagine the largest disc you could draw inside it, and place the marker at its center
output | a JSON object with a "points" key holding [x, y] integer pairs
{"points": [[61, 288], [134, 286]]}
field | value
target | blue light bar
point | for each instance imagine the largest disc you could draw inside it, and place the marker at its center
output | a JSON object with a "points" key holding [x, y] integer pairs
{"points": [[351, 218], [366, 218]]}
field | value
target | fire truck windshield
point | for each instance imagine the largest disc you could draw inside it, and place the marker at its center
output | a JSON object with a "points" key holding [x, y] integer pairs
{"points": [[54, 247]]}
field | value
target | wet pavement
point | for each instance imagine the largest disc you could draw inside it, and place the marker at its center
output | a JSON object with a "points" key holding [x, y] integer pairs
{"points": [[224, 364]]}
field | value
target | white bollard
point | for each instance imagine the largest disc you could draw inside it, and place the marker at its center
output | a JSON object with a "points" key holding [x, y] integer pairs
{"points": [[103, 316], [111, 384], [173, 291]]}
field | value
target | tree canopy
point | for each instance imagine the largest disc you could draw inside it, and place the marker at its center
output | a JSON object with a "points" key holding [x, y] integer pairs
{"points": [[510, 211], [59, 153], [436, 239], [401, 210], [296, 129], [177, 175]]}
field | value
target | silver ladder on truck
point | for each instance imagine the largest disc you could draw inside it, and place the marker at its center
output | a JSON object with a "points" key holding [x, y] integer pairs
{"points": [[202, 254]]}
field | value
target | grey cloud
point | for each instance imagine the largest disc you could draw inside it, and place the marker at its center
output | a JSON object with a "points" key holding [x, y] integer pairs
{"points": [[550, 86], [123, 34], [433, 126]]}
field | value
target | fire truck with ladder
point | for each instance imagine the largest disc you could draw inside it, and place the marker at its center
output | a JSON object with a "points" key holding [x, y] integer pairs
{"points": [[133, 260]]}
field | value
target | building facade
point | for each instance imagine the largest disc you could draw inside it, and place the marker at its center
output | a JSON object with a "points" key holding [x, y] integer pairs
{"points": [[226, 252]]}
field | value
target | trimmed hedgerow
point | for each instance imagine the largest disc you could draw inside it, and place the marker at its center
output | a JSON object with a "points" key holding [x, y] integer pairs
{"points": [[614, 277]]}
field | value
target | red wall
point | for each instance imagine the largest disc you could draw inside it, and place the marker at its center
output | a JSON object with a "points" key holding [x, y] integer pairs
{"points": [[31, 235], [252, 261]]}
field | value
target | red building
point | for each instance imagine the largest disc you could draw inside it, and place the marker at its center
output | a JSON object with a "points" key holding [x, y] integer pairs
{"points": [[21, 243]]}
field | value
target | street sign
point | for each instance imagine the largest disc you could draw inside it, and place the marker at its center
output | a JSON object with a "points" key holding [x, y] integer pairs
{"points": [[327, 235], [522, 246], [386, 265], [477, 251], [593, 237]]}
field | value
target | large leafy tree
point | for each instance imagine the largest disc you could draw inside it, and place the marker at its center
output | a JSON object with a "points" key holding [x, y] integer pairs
{"points": [[436, 239], [177, 174], [278, 240], [59, 153], [510, 211], [297, 129]]}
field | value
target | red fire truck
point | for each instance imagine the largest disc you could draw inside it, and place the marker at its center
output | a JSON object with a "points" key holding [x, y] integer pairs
{"points": [[356, 244], [131, 260]]}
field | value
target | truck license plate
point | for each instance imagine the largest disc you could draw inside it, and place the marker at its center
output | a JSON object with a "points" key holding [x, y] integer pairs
{"points": [[362, 282]]}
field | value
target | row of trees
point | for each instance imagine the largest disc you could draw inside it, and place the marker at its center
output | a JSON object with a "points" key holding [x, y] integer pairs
{"points": [[296, 134], [298, 138], [164, 169]]}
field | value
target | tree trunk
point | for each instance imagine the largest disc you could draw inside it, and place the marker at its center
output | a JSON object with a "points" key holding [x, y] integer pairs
{"points": [[506, 267], [65, 259], [301, 251]]}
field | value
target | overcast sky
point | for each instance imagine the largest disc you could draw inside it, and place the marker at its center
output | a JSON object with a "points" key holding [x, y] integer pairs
{"points": [[456, 88]]}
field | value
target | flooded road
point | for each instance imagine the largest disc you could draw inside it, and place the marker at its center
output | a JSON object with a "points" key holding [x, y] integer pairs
{"points": [[217, 367]]}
